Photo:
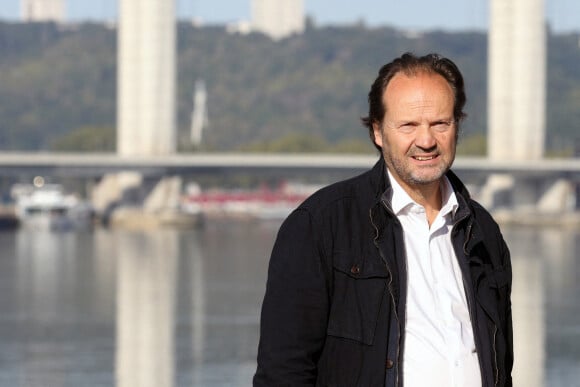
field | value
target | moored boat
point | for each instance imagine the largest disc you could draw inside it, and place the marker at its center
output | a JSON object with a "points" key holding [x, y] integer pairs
{"points": [[48, 207]]}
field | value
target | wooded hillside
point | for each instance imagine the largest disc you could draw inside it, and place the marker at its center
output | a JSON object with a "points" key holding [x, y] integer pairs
{"points": [[304, 93]]}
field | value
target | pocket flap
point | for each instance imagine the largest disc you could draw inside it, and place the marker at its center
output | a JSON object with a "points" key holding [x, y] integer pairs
{"points": [[359, 267]]}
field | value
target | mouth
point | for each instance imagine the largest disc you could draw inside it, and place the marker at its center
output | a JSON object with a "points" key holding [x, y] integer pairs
{"points": [[424, 158]]}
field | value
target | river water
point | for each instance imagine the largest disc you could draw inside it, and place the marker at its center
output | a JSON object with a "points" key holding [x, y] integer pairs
{"points": [[169, 308]]}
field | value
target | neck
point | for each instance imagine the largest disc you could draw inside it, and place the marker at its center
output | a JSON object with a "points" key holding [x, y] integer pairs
{"points": [[427, 195]]}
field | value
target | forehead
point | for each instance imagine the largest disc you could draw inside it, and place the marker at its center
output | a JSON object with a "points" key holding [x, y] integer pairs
{"points": [[419, 91]]}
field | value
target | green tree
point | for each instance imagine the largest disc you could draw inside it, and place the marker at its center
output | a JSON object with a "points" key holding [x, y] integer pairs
{"points": [[87, 139]]}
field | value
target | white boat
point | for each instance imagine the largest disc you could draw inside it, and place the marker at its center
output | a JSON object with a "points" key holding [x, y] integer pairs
{"points": [[49, 207]]}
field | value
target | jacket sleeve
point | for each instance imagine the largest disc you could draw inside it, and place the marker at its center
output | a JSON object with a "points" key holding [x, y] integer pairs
{"points": [[295, 307], [501, 259], [508, 315]]}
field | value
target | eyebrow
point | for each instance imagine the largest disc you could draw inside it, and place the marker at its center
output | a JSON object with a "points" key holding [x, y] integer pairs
{"points": [[446, 120]]}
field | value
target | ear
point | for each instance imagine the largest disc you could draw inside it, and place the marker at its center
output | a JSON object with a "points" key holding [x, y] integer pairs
{"points": [[378, 134]]}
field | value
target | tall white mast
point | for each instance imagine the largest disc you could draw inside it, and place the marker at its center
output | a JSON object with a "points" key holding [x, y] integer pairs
{"points": [[199, 116]]}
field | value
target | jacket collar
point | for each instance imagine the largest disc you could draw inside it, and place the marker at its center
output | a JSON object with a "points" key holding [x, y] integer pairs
{"points": [[383, 188], [458, 186], [383, 193], [379, 178]]}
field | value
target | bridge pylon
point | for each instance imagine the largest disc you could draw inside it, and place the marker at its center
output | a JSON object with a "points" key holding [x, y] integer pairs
{"points": [[146, 83]]}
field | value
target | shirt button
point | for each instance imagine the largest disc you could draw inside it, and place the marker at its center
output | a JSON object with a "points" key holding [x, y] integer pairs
{"points": [[390, 364], [355, 269]]}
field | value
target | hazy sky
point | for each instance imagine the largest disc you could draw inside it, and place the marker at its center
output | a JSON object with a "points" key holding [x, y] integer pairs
{"points": [[563, 15]]}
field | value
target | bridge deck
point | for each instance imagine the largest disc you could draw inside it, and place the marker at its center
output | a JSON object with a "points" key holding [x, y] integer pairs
{"points": [[93, 164]]}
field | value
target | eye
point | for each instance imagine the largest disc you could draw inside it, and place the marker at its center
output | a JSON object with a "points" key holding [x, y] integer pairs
{"points": [[407, 127], [442, 126]]}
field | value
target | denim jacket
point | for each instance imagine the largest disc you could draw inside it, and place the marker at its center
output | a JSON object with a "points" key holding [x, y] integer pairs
{"points": [[334, 309]]}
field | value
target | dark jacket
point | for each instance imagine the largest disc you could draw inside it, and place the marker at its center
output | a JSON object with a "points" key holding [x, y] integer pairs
{"points": [[333, 313]]}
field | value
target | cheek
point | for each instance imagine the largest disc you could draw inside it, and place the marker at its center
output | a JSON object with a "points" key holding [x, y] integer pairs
{"points": [[447, 141]]}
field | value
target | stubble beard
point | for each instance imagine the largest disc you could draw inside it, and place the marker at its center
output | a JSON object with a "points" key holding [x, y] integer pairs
{"points": [[413, 176]]}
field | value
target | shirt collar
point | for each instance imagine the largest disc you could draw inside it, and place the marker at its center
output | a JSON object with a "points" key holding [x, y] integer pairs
{"points": [[400, 199]]}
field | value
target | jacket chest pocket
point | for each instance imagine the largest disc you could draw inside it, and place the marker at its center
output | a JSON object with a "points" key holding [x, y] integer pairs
{"points": [[358, 291]]}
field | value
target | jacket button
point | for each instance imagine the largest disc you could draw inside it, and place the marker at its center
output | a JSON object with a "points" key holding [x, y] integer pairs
{"points": [[355, 269], [390, 364]]}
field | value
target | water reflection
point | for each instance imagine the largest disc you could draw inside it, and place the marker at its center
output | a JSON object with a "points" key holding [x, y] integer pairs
{"points": [[562, 306], [545, 301], [51, 331], [173, 308], [198, 297], [528, 315], [44, 273], [146, 284], [42, 286]]}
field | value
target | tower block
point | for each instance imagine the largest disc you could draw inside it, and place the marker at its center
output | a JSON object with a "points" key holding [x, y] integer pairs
{"points": [[42, 10], [146, 78], [517, 80]]}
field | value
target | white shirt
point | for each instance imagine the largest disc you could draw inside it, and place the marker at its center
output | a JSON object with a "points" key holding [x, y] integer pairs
{"points": [[439, 346]]}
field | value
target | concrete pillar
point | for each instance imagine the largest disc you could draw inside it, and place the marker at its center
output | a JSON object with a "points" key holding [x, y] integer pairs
{"points": [[497, 192], [109, 191], [557, 196], [146, 78], [517, 79], [551, 195]]}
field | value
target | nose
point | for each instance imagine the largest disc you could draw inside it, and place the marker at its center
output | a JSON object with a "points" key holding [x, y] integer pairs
{"points": [[425, 138]]}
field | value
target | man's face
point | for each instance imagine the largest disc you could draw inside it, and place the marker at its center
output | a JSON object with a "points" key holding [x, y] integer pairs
{"points": [[418, 134]]}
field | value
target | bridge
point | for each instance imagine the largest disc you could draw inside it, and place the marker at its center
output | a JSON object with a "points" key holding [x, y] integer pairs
{"points": [[95, 165], [514, 174], [543, 186]]}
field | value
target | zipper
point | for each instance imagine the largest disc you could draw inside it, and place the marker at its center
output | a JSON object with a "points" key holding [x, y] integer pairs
{"points": [[496, 382], [467, 233], [472, 314], [390, 288]]}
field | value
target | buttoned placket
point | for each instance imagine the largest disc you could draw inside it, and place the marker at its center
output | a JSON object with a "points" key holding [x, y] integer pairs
{"points": [[439, 264], [440, 278]]}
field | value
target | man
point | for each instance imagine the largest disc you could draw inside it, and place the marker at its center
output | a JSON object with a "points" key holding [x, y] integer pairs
{"points": [[395, 277]]}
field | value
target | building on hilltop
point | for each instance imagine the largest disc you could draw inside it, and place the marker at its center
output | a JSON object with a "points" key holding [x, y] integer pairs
{"points": [[42, 10], [278, 18]]}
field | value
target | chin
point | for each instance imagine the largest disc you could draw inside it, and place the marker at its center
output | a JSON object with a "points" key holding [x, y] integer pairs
{"points": [[424, 180]]}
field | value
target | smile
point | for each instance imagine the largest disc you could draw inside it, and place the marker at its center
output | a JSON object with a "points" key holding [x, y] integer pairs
{"points": [[424, 158]]}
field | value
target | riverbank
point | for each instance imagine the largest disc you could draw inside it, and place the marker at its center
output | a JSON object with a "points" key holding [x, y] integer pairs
{"points": [[539, 219]]}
